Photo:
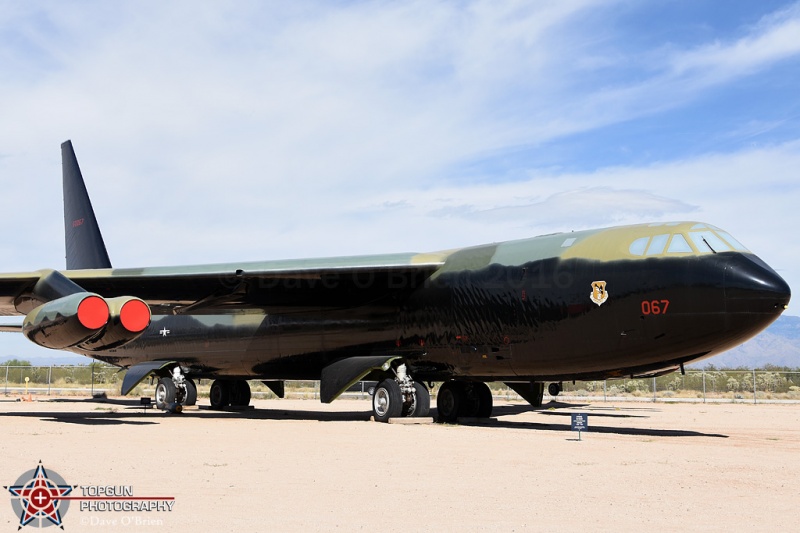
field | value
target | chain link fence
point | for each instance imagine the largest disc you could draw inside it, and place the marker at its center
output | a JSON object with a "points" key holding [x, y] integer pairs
{"points": [[695, 386]]}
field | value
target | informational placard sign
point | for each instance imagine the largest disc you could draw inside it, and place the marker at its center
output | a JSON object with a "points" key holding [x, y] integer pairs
{"points": [[580, 422]]}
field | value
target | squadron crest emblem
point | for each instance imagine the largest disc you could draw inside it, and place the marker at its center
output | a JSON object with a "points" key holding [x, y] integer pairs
{"points": [[599, 293]]}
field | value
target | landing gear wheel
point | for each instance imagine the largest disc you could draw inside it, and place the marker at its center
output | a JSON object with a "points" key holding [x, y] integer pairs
{"points": [[220, 394], [554, 389], [483, 394], [240, 393], [449, 401], [165, 393], [471, 404], [191, 393], [387, 402], [422, 401]]}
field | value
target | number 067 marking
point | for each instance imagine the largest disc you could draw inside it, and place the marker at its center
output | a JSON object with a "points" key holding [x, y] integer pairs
{"points": [[655, 307]]}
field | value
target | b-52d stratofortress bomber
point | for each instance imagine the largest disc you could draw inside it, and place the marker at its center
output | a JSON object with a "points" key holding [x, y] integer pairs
{"points": [[635, 301]]}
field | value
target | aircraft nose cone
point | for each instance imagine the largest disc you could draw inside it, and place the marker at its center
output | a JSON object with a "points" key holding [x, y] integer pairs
{"points": [[751, 286]]}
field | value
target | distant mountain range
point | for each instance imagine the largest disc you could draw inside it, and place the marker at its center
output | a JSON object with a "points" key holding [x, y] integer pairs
{"points": [[778, 345]]}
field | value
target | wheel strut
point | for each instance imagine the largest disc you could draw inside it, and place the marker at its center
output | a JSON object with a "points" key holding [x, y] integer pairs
{"points": [[400, 396]]}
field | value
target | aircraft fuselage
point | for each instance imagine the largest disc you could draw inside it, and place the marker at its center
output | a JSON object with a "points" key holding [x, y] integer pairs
{"points": [[567, 306]]}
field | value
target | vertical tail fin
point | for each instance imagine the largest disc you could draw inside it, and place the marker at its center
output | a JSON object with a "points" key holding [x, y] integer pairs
{"points": [[84, 243]]}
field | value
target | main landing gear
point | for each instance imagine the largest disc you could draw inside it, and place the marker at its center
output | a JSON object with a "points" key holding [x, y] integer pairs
{"points": [[175, 391], [554, 389], [400, 396], [229, 392], [458, 399]]}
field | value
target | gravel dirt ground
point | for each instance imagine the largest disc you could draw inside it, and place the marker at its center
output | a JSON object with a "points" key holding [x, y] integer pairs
{"points": [[295, 465]]}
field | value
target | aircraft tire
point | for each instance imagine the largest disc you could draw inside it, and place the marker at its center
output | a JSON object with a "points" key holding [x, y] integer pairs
{"points": [[387, 402], [554, 389], [449, 401], [240, 393], [484, 396], [165, 393], [191, 392], [220, 394], [422, 401]]}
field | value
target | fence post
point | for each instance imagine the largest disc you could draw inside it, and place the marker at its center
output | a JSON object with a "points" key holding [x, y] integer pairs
{"points": [[49, 378], [755, 399], [604, 390], [91, 365], [704, 385], [654, 389], [6, 379]]}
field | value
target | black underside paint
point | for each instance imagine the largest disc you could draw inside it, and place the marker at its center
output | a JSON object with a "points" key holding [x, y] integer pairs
{"points": [[530, 322]]}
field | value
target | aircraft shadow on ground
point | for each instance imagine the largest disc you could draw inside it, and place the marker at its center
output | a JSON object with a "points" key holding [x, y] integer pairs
{"points": [[116, 411], [90, 419], [644, 432], [553, 408]]}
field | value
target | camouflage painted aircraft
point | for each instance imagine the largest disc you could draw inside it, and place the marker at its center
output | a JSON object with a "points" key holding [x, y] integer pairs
{"points": [[634, 301]]}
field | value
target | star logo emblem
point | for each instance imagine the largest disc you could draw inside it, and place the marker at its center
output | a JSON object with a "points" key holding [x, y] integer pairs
{"points": [[36, 498]]}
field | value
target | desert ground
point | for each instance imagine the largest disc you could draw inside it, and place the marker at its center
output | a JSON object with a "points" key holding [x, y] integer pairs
{"points": [[298, 465]]}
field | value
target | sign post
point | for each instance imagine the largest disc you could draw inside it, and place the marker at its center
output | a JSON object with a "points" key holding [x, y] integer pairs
{"points": [[580, 422]]}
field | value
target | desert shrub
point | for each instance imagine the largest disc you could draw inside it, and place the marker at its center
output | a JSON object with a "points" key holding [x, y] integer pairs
{"points": [[636, 385]]}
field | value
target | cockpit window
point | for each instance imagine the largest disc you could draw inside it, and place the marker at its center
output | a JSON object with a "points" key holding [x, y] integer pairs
{"points": [[701, 238], [638, 246], [657, 244], [739, 247], [679, 245], [708, 241]]}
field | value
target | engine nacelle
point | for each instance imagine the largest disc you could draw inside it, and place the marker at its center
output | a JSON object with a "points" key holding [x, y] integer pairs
{"points": [[87, 321], [67, 321], [128, 319]]}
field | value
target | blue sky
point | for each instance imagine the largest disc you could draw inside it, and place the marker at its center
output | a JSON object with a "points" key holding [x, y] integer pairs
{"points": [[224, 131]]}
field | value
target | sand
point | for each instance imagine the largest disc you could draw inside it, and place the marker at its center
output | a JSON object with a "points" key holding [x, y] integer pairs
{"points": [[298, 465]]}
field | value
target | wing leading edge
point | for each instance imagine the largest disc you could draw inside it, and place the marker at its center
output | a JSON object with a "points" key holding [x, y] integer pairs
{"points": [[272, 286]]}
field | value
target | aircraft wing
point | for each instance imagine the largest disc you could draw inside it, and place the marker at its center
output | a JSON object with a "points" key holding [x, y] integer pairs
{"points": [[12, 285], [274, 286]]}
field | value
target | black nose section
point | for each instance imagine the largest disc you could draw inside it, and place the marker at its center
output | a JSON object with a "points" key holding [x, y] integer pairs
{"points": [[751, 286]]}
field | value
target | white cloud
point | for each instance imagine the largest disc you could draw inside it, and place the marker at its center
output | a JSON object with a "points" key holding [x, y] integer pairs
{"points": [[773, 39]]}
